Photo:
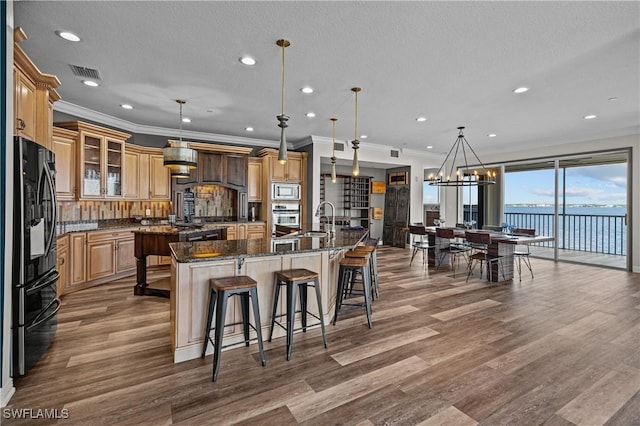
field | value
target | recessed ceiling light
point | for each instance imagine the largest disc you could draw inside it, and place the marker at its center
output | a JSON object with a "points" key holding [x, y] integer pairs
{"points": [[248, 60], [310, 114], [589, 117], [521, 90], [186, 120], [613, 99], [68, 35], [126, 106], [421, 119], [90, 83], [492, 135], [306, 90], [429, 147], [249, 129], [363, 136]]}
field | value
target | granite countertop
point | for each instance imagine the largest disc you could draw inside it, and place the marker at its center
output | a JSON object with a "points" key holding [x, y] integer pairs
{"points": [[180, 229], [156, 225], [203, 251]]}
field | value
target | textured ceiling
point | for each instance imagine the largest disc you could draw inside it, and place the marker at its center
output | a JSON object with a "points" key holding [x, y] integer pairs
{"points": [[455, 63]]}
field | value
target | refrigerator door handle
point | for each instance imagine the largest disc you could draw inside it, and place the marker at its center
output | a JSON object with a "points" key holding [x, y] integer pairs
{"points": [[42, 282], [52, 190], [38, 320]]}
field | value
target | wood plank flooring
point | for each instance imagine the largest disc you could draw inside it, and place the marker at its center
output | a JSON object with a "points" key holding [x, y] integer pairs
{"points": [[560, 349]]}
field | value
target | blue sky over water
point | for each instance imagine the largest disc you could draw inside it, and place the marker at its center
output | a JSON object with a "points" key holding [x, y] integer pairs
{"points": [[600, 185]]}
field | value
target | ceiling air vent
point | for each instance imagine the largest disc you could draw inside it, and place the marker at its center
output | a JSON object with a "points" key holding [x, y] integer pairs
{"points": [[85, 72], [395, 153], [338, 146]]}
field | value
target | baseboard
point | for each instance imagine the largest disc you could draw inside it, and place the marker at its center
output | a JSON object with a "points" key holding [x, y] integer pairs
{"points": [[636, 269], [7, 392]]}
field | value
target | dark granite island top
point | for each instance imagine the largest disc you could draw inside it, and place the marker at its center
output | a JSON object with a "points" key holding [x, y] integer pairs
{"points": [[194, 264], [202, 251], [155, 240]]}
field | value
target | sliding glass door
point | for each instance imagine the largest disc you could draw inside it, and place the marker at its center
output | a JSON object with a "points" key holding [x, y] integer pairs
{"points": [[582, 199]]}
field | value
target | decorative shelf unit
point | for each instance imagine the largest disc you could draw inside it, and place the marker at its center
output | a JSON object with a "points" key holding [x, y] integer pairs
{"points": [[351, 197]]}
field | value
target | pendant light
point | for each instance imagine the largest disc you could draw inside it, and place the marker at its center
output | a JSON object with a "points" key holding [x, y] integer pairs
{"points": [[486, 177], [282, 118], [355, 171], [177, 155], [333, 152]]}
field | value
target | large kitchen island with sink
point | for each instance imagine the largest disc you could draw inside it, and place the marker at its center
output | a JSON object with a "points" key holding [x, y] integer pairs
{"points": [[193, 264]]}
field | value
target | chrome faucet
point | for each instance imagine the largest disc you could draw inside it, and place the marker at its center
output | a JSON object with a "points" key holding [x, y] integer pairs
{"points": [[332, 230]]}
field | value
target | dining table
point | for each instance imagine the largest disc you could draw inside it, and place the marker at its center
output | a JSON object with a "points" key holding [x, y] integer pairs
{"points": [[502, 245]]}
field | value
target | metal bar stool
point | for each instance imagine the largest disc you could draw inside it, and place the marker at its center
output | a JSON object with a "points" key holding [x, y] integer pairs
{"points": [[296, 281], [348, 267], [373, 264], [221, 289]]}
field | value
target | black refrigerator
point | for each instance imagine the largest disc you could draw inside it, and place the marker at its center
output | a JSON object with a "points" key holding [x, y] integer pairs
{"points": [[35, 277]]}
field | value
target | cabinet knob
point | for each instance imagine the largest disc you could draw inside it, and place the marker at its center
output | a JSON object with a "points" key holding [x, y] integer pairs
{"points": [[21, 124], [62, 261]]}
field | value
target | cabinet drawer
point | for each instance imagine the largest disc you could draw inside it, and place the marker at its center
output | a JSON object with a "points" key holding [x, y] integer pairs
{"points": [[110, 235]]}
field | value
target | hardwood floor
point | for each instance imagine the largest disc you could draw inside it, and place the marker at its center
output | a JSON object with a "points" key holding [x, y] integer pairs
{"points": [[559, 349]]}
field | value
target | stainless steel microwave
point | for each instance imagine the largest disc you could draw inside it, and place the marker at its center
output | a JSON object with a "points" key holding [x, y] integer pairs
{"points": [[285, 191]]}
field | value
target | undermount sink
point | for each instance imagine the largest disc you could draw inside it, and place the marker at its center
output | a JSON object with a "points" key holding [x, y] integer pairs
{"points": [[314, 234]]}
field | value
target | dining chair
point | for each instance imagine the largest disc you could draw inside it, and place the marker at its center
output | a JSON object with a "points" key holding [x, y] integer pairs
{"points": [[479, 242], [447, 245], [496, 228], [522, 251], [420, 242]]}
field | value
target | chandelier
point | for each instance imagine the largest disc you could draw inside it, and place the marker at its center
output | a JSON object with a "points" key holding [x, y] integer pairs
{"points": [[478, 175], [282, 118], [177, 155]]}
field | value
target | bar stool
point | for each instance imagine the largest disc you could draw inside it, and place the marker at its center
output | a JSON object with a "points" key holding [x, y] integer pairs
{"points": [[348, 267], [296, 281], [221, 289], [365, 253]]}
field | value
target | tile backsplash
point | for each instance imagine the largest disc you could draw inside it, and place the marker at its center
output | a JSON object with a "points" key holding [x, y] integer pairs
{"points": [[96, 210], [215, 200]]}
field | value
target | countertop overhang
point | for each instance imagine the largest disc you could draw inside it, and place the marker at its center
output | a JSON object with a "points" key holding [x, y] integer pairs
{"points": [[202, 251]]}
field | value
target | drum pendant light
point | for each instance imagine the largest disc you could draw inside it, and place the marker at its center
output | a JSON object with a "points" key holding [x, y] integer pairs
{"points": [[333, 152], [355, 171], [282, 118], [177, 155]]}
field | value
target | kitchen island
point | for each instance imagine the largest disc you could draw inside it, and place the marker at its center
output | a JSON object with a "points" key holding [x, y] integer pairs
{"points": [[193, 264], [155, 241]]}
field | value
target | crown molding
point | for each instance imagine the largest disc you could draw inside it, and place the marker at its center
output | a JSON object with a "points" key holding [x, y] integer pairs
{"points": [[108, 120]]}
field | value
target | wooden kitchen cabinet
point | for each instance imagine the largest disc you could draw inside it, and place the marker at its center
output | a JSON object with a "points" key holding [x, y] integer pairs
{"points": [[236, 170], [293, 170], [78, 258], [24, 105], [109, 253], [223, 169], [256, 231], [63, 264], [64, 148], [211, 165], [254, 180], [33, 98], [232, 232], [146, 178], [101, 156]]}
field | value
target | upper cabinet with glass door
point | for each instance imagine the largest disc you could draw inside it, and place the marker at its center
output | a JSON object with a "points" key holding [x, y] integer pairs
{"points": [[101, 158]]}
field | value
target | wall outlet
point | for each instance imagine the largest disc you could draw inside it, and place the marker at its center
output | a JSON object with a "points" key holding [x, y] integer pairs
{"points": [[147, 212]]}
